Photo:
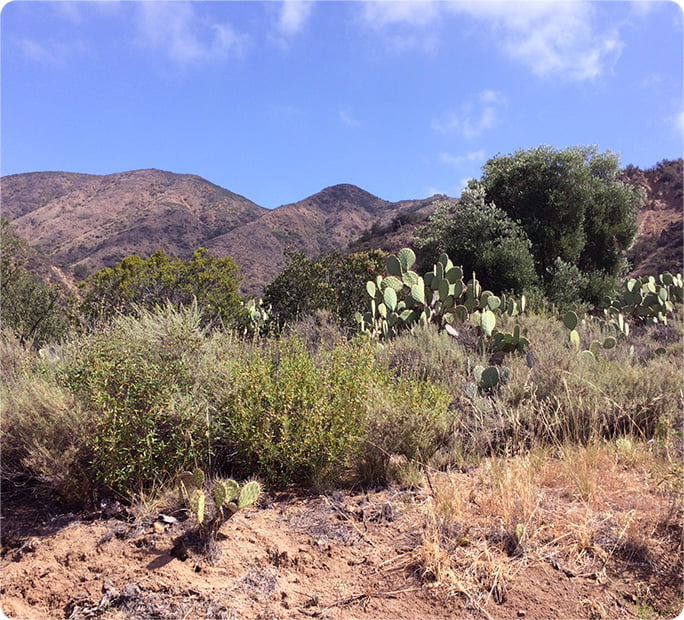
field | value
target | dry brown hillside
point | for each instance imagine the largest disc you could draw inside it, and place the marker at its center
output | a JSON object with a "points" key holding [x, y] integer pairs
{"points": [[85, 222], [658, 244]]}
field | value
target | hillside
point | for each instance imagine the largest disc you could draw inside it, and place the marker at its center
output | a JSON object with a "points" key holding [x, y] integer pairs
{"points": [[84, 222], [326, 222], [658, 245]]}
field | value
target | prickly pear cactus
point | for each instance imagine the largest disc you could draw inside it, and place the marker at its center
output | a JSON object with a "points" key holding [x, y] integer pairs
{"points": [[249, 494]]}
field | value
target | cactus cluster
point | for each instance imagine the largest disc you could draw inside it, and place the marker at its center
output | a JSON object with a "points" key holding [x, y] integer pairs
{"points": [[226, 496], [649, 297], [403, 298], [571, 321]]}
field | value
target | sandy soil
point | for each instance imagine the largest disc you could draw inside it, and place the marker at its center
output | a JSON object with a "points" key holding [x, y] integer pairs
{"points": [[294, 555]]}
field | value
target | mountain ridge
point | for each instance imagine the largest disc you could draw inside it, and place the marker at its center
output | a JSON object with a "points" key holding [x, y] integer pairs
{"points": [[83, 222]]}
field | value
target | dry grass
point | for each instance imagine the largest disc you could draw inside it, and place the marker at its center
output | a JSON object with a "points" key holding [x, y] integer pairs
{"points": [[600, 512]]}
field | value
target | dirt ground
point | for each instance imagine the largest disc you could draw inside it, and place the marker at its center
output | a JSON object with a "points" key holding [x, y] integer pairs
{"points": [[297, 555]]}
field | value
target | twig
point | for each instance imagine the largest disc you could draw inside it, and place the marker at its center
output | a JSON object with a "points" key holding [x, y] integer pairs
{"points": [[346, 516]]}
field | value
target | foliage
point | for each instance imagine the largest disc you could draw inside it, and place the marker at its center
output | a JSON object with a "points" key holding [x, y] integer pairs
{"points": [[570, 203], [29, 306], [480, 237], [135, 282], [137, 378], [293, 415], [409, 418], [332, 282]]}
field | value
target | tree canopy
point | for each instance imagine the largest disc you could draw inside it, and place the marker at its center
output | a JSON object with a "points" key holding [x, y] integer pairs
{"points": [[333, 282], [480, 237], [567, 209], [571, 204], [137, 282]]}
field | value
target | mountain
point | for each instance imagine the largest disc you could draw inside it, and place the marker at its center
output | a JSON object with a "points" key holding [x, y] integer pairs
{"points": [[85, 222], [329, 221]]}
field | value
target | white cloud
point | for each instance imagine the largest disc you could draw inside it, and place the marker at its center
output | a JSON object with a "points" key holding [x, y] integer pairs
{"points": [[176, 29], [553, 38], [293, 16], [473, 118]]}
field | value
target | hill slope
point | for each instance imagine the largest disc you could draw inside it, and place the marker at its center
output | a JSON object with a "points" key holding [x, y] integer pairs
{"points": [[85, 222]]}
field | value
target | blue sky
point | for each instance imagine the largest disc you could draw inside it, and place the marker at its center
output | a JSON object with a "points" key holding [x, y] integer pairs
{"points": [[277, 100]]}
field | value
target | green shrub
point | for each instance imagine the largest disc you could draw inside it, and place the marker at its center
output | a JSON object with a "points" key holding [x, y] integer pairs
{"points": [[136, 377], [295, 416], [408, 418]]}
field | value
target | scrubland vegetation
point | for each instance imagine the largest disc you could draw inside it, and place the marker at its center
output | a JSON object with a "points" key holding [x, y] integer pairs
{"points": [[123, 403]]}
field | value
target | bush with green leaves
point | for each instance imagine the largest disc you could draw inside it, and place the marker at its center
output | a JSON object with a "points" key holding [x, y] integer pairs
{"points": [[137, 379], [480, 237], [332, 283], [135, 282], [294, 415]]}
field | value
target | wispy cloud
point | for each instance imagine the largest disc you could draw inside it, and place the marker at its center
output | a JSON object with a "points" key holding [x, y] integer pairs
{"points": [[51, 51], [552, 38], [472, 118], [186, 37], [403, 26], [457, 161], [346, 116]]}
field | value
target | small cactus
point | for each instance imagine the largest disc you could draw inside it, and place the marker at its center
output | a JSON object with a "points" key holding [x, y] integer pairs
{"points": [[226, 494]]}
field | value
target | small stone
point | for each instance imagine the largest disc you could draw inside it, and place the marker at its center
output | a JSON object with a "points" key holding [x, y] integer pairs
{"points": [[520, 613]]}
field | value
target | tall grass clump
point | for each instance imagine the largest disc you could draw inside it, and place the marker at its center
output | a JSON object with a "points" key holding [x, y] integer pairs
{"points": [[297, 415], [137, 379], [44, 430], [559, 395]]}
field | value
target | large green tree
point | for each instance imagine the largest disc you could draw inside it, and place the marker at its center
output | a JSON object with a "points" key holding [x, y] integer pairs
{"points": [[160, 279], [482, 238], [332, 282], [571, 204]]}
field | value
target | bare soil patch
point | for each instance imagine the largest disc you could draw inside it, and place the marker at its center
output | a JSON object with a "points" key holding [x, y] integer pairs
{"points": [[356, 555]]}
